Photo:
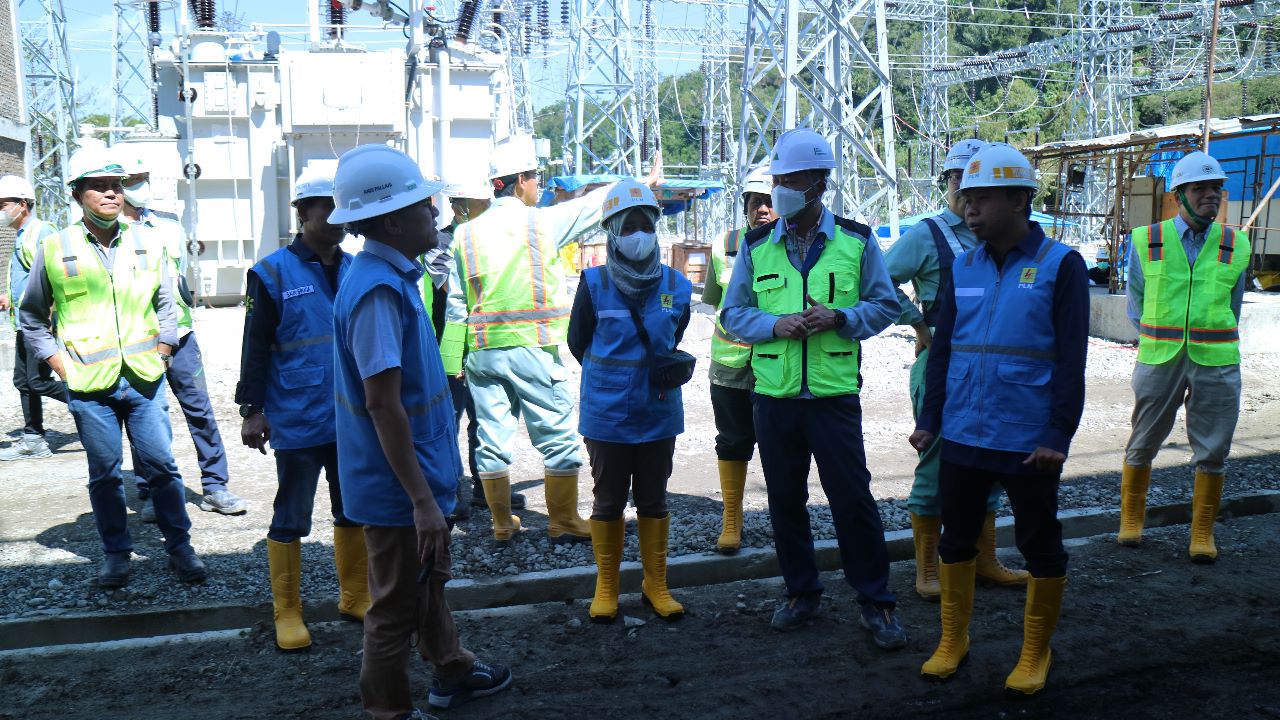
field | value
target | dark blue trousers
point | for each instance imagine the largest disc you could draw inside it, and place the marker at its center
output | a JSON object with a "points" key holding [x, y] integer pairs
{"points": [[187, 381], [462, 402], [790, 434], [298, 472]]}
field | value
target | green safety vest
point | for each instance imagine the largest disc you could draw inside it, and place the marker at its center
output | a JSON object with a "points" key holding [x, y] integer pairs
{"points": [[169, 237], [26, 254], [1189, 306], [827, 361], [106, 321], [725, 348], [514, 284]]}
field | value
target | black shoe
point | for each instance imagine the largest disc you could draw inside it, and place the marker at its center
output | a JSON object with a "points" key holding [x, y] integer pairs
{"points": [[188, 567], [481, 681], [796, 612], [461, 508], [115, 571], [886, 633], [478, 501]]}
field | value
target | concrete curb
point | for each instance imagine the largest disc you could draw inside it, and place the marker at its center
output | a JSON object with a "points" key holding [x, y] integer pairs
{"points": [[561, 585]]}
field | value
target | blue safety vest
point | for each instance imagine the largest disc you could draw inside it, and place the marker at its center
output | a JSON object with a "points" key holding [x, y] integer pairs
{"points": [[947, 245], [1000, 378], [299, 401], [371, 493], [618, 402]]}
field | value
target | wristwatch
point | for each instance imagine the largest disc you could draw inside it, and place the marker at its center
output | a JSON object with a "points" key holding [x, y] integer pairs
{"points": [[841, 318], [247, 411], [166, 359]]}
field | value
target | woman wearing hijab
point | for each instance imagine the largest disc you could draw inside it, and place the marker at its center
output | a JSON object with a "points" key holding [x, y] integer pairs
{"points": [[628, 316]]}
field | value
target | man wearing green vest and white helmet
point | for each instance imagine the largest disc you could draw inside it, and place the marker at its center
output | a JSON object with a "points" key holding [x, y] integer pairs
{"points": [[117, 328], [186, 375], [810, 286], [515, 318], [731, 379], [921, 256], [1186, 285], [33, 379]]}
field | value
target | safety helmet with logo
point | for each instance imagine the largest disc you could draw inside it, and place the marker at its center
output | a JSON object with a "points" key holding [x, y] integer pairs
{"points": [[513, 156], [94, 162], [624, 196], [315, 180], [999, 165], [16, 186], [373, 180], [469, 190], [800, 149], [1196, 167], [960, 153], [758, 181]]}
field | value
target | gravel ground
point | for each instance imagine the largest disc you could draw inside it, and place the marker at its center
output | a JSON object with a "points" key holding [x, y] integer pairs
{"points": [[49, 548]]}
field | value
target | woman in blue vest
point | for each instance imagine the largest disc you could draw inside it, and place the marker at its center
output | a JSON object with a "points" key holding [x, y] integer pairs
{"points": [[625, 313]]}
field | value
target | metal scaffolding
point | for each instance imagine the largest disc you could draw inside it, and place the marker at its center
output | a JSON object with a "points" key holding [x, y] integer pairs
{"points": [[132, 70], [51, 103], [719, 152], [601, 124]]}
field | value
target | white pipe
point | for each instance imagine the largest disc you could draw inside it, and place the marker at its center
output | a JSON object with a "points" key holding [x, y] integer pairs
{"points": [[313, 24]]}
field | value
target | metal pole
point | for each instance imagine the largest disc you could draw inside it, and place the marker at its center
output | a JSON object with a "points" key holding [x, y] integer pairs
{"points": [[1261, 206], [1208, 75]]}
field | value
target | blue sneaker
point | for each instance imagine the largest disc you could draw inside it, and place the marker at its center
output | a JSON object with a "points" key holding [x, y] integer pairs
{"points": [[481, 681], [796, 612], [886, 633]]}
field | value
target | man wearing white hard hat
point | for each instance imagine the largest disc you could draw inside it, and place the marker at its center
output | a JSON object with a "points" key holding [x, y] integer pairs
{"points": [[185, 376], [730, 373], [810, 286], [1186, 286], [628, 318], [923, 254], [1004, 391], [285, 394], [516, 315], [102, 268], [33, 379], [397, 442]]}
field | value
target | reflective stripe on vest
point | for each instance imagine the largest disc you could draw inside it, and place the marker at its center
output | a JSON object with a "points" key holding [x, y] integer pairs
{"points": [[727, 349], [514, 284], [948, 247], [106, 321], [826, 363], [1000, 374], [1186, 306]]}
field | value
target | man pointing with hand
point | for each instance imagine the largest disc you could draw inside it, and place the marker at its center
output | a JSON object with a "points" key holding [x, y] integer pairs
{"points": [[810, 287]]}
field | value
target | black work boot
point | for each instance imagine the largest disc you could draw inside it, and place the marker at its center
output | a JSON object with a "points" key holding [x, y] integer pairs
{"points": [[187, 565], [115, 570]]}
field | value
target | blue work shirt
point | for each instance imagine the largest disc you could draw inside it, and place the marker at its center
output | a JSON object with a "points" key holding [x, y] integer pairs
{"points": [[877, 306], [914, 259], [1192, 242]]}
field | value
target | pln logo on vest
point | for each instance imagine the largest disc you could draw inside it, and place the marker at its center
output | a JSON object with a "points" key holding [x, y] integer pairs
{"points": [[667, 299], [1027, 279]]}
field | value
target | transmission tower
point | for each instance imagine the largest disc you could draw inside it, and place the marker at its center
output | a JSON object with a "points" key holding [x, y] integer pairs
{"points": [[601, 127], [647, 92], [51, 102], [829, 61], [132, 70], [719, 151]]}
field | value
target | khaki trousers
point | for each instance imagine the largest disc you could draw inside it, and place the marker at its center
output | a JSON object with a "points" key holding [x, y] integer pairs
{"points": [[1212, 398]]}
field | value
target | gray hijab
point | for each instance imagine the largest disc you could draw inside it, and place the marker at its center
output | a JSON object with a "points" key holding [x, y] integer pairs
{"points": [[635, 279]]}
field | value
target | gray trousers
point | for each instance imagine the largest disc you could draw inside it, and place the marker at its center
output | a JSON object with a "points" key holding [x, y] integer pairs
{"points": [[1212, 397]]}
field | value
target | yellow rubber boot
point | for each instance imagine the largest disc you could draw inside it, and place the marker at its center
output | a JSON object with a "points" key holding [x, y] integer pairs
{"points": [[1044, 604], [733, 481], [990, 570], [284, 561], [564, 525], [653, 556], [957, 580], [352, 562], [606, 542], [1134, 481], [497, 495], [925, 531], [1204, 512]]}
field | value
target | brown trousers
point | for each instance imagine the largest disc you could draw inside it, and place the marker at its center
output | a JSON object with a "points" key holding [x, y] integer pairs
{"points": [[401, 608]]}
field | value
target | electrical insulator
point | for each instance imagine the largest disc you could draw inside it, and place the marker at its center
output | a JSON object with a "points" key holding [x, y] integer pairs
{"points": [[153, 17], [337, 16], [564, 14], [644, 140], [466, 20], [544, 20], [706, 152], [724, 142]]}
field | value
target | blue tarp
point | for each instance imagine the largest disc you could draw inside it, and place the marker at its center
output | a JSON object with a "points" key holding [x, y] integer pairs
{"points": [[1049, 223], [1239, 158], [570, 183]]}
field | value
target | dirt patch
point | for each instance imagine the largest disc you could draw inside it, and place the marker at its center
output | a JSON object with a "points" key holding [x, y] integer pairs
{"points": [[1144, 634]]}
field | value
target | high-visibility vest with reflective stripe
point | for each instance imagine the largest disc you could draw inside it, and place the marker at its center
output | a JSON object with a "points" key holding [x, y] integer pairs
{"points": [[169, 236], [827, 362], [1189, 306], [514, 283], [24, 253], [1003, 348], [726, 349], [106, 321]]}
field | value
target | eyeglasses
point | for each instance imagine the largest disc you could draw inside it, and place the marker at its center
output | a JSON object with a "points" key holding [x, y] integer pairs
{"points": [[948, 177]]}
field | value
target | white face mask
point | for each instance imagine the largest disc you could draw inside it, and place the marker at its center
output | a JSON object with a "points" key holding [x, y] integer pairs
{"points": [[637, 246], [11, 215], [138, 195], [788, 203]]}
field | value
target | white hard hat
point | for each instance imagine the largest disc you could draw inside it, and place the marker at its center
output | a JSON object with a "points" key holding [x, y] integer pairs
{"points": [[959, 154], [91, 162], [471, 190], [513, 156], [16, 186], [625, 195], [374, 180], [999, 165], [800, 149], [133, 162], [1196, 167], [758, 181], [315, 180]]}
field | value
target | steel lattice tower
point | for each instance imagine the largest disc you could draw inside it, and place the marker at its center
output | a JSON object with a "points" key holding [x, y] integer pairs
{"points": [[601, 127], [51, 103], [719, 151], [132, 70]]}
